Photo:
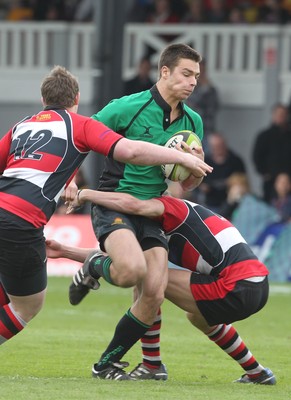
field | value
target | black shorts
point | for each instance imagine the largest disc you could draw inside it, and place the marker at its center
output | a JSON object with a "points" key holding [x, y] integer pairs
{"points": [[149, 233], [220, 303], [23, 266]]}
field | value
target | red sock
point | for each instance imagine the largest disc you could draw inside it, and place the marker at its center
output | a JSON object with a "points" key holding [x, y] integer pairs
{"points": [[10, 323], [4, 299], [151, 344], [227, 338]]}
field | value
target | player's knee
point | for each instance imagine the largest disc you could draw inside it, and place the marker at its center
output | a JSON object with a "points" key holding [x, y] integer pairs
{"points": [[154, 298], [197, 320], [27, 313], [130, 274], [190, 317]]}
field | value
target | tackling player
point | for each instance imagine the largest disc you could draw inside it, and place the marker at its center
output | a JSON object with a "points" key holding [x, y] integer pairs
{"points": [[38, 158], [225, 281]]}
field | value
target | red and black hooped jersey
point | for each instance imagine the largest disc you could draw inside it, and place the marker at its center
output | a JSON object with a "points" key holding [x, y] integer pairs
{"points": [[205, 242], [41, 154]]}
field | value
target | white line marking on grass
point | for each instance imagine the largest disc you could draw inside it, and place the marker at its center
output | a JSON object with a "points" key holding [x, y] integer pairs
{"points": [[275, 289]]}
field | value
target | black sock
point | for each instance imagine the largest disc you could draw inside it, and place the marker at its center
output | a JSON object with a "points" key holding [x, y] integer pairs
{"points": [[127, 332]]}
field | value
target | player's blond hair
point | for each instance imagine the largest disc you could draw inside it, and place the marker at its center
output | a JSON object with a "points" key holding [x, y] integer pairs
{"points": [[59, 88]]}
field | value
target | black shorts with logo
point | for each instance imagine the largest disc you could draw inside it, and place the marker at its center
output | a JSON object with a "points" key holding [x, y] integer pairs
{"points": [[242, 299], [149, 233]]}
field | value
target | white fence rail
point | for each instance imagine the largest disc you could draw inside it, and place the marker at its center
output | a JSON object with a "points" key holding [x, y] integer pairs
{"points": [[28, 51], [238, 57]]}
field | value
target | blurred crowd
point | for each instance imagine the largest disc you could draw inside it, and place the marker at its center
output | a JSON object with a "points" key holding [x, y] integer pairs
{"points": [[47, 10], [154, 11], [211, 11]]}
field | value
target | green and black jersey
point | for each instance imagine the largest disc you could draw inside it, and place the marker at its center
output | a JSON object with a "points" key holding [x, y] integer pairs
{"points": [[142, 116]]}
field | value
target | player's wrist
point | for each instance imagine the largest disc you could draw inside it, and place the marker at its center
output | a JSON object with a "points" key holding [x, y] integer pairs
{"points": [[81, 196], [78, 196]]}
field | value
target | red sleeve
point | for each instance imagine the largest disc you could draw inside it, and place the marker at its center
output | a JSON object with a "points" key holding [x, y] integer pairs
{"points": [[5, 144], [175, 213], [93, 135]]}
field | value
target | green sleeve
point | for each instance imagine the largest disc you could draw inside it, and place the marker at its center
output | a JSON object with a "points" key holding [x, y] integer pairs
{"points": [[199, 127], [112, 115]]}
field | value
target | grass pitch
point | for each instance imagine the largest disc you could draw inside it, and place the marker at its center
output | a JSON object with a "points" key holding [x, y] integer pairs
{"points": [[51, 359]]}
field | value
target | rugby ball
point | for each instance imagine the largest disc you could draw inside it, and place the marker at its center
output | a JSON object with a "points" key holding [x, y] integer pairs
{"points": [[176, 172]]}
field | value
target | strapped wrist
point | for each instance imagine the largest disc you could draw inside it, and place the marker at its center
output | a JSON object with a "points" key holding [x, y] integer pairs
{"points": [[78, 196]]}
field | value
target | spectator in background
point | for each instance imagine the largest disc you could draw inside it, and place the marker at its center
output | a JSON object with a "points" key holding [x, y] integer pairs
{"points": [[286, 5], [224, 162], [194, 13], [53, 10], [272, 149], [163, 13], [217, 12], [63, 10], [4, 8], [142, 80], [236, 16], [281, 199], [205, 101], [237, 187], [84, 11], [19, 10], [211, 11], [272, 11], [139, 11], [248, 8], [180, 7]]}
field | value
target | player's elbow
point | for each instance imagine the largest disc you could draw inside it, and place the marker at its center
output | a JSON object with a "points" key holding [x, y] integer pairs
{"points": [[191, 183], [126, 151]]}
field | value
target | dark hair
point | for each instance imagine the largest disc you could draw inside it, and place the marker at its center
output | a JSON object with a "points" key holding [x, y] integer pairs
{"points": [[173, 53], [59, 88]]}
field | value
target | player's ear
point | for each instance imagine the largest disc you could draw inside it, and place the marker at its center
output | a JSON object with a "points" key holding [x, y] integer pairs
{"points": [[165, 72], [77, 99]]}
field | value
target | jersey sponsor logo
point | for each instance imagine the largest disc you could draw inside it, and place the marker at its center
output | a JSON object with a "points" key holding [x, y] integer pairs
{"points": [[118, 221], [43, 117], [147, 131]]}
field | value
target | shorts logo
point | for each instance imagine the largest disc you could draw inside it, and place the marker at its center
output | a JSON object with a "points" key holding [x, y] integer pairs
{"points": [[162, 234], [147, 131], [118, 221]]}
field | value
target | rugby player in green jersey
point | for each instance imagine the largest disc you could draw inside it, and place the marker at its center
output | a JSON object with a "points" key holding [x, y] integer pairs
{"points": [[137, 246]]}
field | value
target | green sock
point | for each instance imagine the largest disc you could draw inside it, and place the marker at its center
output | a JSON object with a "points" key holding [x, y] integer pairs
{"points": [[101, 267]]}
